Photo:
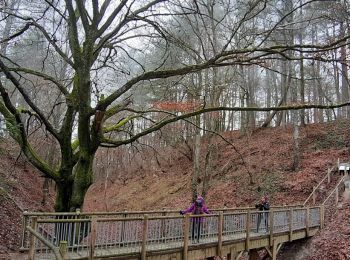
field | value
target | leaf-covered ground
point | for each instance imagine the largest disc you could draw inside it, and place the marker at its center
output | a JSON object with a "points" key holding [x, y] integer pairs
{"points": [[268, 157], [20, 189]]}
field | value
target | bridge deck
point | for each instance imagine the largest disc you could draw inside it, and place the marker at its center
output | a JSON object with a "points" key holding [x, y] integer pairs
{"points": [[110, 251], [135, 237]]}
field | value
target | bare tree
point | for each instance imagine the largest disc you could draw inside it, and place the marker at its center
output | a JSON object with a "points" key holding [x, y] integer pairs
{"points": [[105, 46]]}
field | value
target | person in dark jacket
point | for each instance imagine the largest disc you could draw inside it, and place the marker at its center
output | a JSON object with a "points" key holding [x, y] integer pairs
{"points": [[263, 205], [198, 207]]}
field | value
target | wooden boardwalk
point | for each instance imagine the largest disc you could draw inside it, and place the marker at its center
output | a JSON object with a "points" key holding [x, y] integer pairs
{"points": [[134, 252], [165, 235]]}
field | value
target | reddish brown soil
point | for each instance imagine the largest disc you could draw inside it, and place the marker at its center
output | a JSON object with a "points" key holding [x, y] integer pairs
{"points": [[334, 241], [268, 157], [20, 189], [267, 154]]}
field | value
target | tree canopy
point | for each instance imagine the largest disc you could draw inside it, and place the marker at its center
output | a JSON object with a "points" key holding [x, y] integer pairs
{"points": [[89, 74]]}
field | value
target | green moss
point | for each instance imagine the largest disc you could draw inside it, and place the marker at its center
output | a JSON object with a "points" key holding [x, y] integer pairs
{"points": [[335, 138], [270, 183], [4, 188], [329, 141], [1, 141]]}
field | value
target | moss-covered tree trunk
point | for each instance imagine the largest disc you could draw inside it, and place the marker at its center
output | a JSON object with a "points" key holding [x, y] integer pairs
{"points": [[82, 180], [64, 196], [71, 191]]}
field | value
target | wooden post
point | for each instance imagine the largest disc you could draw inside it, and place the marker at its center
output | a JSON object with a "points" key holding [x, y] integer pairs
{"points": [[93, 237], [186, 230], [233, 254], [336, 196], [314, 196], [63, 249], [76, 226], [162, 225], [338, 164], [271, 226], [144, 237], [248, 226], [268, 251], [329, 175], [274, 250], [290, 224], [322, 216], [220, 228], [24, 231], [307, 223], [122, 231], [32, 241]]}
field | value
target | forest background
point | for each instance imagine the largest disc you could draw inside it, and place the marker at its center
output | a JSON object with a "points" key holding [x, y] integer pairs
{"points": [[80, 78]]}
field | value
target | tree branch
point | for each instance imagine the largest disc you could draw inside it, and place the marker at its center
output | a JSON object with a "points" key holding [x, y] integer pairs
{"points": [[111, 18], [124, 21], [82, 12], [23, 30], [42, 75], [16, 83], [212, 109], [53, 43], [73, 33], [16, 128]]}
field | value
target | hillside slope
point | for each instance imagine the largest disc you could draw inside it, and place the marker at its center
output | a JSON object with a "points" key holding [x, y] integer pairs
{"points": [[267, 154], [20, 189]]}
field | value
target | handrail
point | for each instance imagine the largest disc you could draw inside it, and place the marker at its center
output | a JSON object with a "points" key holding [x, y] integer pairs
{"points": [[336, 187], [161, 217], [84, 214], [47, 243], [318, 185], [64, 220]]}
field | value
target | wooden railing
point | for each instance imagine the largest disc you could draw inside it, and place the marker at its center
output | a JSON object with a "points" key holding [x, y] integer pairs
{"points": [[325, 180], [335, 193], [335, 190], [96, 236], [55, 250], [28, 216]]}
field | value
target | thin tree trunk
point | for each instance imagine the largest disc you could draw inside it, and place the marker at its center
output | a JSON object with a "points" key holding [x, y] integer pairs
{"points": [[302, 78], [345, 79]]}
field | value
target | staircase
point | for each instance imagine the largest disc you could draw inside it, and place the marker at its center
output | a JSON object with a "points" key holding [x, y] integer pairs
{"points": [[327, 191], [329, 186]]}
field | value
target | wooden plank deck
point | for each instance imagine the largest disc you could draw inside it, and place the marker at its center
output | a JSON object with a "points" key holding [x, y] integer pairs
{"points": [[129, 252]]}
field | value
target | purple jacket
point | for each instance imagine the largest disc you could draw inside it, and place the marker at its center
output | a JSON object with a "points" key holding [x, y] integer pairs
{"points": [[197, 211], [192, 210]]}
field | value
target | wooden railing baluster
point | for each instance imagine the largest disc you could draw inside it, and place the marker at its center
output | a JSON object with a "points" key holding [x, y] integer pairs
{"points": [[248, 227], [307, 221], [186, 227], [220, 227], [93, 238], [144, 237], [290, 224], [32, 239]]}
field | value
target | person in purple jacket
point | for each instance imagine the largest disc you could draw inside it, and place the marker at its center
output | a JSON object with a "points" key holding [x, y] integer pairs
{"points": [[198, 207]]}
